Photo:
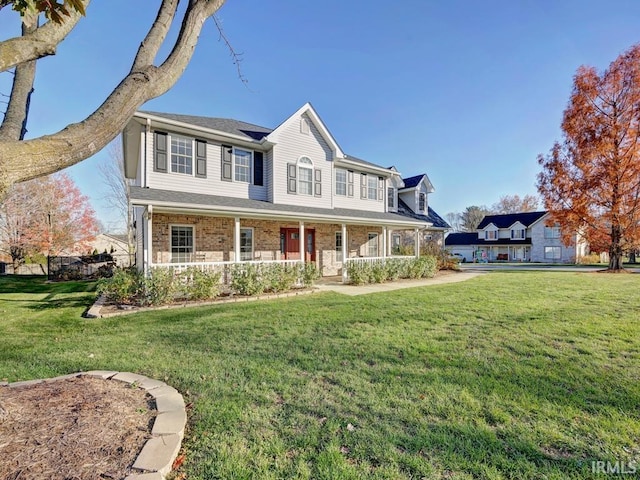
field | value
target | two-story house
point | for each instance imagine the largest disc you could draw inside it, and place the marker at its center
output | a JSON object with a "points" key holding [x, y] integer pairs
{"points": [[210, 190], [519, 237]]}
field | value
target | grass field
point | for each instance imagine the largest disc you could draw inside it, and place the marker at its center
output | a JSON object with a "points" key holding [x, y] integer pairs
{"points": [[519, 375]]}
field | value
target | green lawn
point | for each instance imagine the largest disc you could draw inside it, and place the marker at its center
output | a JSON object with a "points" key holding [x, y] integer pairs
{"points": [[522, 375]]}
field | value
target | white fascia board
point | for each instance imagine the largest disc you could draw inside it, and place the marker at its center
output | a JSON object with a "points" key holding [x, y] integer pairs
{"points": [[159, 207], [309, 110], [543, 217], [131, 148], [209, 133], [344, 162]]}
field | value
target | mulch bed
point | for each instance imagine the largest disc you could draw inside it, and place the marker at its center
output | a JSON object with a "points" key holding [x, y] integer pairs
{"points": [[73, 429]]}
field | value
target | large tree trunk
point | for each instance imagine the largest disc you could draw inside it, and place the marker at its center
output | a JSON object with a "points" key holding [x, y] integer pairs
{"points": [[615, 250]]}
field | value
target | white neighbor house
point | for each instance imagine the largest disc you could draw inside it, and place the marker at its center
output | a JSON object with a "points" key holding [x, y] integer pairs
{"points": [[211, 191], [517, 237]]}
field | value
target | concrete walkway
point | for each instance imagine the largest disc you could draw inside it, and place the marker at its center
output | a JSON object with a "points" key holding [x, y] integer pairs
{"points": [[441, 278]]}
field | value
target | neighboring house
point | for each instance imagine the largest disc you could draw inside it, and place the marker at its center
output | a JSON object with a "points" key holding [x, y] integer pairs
{"points": [[114, 244], [210, 190], [518, 237]]}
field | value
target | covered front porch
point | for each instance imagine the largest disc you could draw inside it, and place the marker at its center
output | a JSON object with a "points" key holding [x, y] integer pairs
{"points": [[209, 241]]}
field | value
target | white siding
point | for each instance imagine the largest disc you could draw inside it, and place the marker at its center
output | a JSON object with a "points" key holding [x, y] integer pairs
{"points": [[355, 202], [291, 145], [268, 174], [409, 197], [538, 244], [212, 185]]}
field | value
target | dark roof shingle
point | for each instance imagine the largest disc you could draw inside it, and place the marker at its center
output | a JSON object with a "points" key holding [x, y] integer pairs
{"points": [[505, 221], [431, 217]]}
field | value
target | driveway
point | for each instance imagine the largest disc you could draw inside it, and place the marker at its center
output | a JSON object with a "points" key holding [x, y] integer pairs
{"points": [[491, 267]]}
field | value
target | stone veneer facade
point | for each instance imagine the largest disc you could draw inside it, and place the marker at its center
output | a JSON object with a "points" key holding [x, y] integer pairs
{"points": [[214, 239]]}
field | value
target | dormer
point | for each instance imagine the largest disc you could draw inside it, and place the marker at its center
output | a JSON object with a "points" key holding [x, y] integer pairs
{"points": [[415, 193], [490, 232], [394, 184], [518, 231]]}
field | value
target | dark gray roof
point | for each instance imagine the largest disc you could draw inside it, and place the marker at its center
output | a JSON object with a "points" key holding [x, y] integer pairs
{"points": [[227, 125], [181, 199], [431, 217], [505, 221], [364, 162], [412, 181], [471, 238]]}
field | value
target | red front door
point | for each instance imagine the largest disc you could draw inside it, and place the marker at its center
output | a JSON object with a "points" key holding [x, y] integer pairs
{"points": [[290, 244]]}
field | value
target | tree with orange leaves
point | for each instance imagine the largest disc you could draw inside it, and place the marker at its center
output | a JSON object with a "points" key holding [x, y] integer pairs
{"points": [[590, 183]]}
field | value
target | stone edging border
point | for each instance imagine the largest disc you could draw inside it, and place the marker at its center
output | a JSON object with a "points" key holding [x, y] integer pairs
{"points": [[156, 458], [95, 311]]}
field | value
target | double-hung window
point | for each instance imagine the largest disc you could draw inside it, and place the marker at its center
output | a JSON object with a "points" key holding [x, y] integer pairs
{"points": [[491, 235], [242, 165], [372, 187], [552, 232], [373, 244], [552, 253], [305, 176], [338, 242], [181, 154], [391, 197], [182, 244], [341, 182], [246, 244], [422, 202], [518, 234]]}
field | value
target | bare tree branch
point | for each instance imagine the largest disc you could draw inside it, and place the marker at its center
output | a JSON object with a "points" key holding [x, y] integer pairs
{"points": [[41, 43], [13, 126], [23, 160], [235, 56], [156, 36]]}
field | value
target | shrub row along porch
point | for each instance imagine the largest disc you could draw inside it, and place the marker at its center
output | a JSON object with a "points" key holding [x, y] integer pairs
{"points": [[208, 238]]}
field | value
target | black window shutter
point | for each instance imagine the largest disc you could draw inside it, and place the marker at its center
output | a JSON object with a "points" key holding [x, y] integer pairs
{"points": [[350, 183], [363, 185], [160, 152], [201, 159], [258, 169], [227, 163], [291, 177], [317, 182]]}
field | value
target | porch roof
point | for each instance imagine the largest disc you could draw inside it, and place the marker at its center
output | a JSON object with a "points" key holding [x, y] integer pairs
{"points": [[170, 200]]}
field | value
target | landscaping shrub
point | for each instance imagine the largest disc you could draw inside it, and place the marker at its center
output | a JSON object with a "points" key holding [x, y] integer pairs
{"points": [[122, 287], [158, 287], [589, 259], [361, 273], [310, 273], [279, 278], [246, 279], [200, 285]]}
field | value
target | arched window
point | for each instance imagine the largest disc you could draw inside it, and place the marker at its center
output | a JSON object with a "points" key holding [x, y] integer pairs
{"points": [[305, 176]]}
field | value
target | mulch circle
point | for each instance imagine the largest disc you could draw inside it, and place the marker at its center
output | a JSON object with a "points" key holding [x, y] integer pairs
{"points": [[72, 429]]}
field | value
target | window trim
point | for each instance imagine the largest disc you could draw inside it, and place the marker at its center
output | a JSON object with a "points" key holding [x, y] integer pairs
{"points": [[193, 238], [552, 232], [376, 235], [371, 178], [346, 181], [309, 166], [554, 248], [391, 195], [422, 201], [177, 136], [253, 243], [395, 247], [522, 234], [494, 234], [233, 164], [338, 234]]}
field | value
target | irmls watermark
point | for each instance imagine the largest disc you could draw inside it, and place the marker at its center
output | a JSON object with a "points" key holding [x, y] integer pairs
{"points": [[615, 468]]}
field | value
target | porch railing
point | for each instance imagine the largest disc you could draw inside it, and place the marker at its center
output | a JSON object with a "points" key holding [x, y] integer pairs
{"points": [[224, 268], [377, 259]]}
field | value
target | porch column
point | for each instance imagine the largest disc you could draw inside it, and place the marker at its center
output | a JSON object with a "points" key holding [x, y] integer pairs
{"points": [[149, 259], [303, 243], [417, 244], [345, 252], [384, 242], [236, 240]]}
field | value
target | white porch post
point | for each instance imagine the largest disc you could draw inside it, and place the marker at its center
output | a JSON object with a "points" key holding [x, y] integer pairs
{"points": [[236, 240], [417, 244], [303, 243], [384, 242], [345, 252], [149, 258]]}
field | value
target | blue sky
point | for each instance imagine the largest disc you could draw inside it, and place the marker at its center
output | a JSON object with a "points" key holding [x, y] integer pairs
{"points": [[468, 92]]}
